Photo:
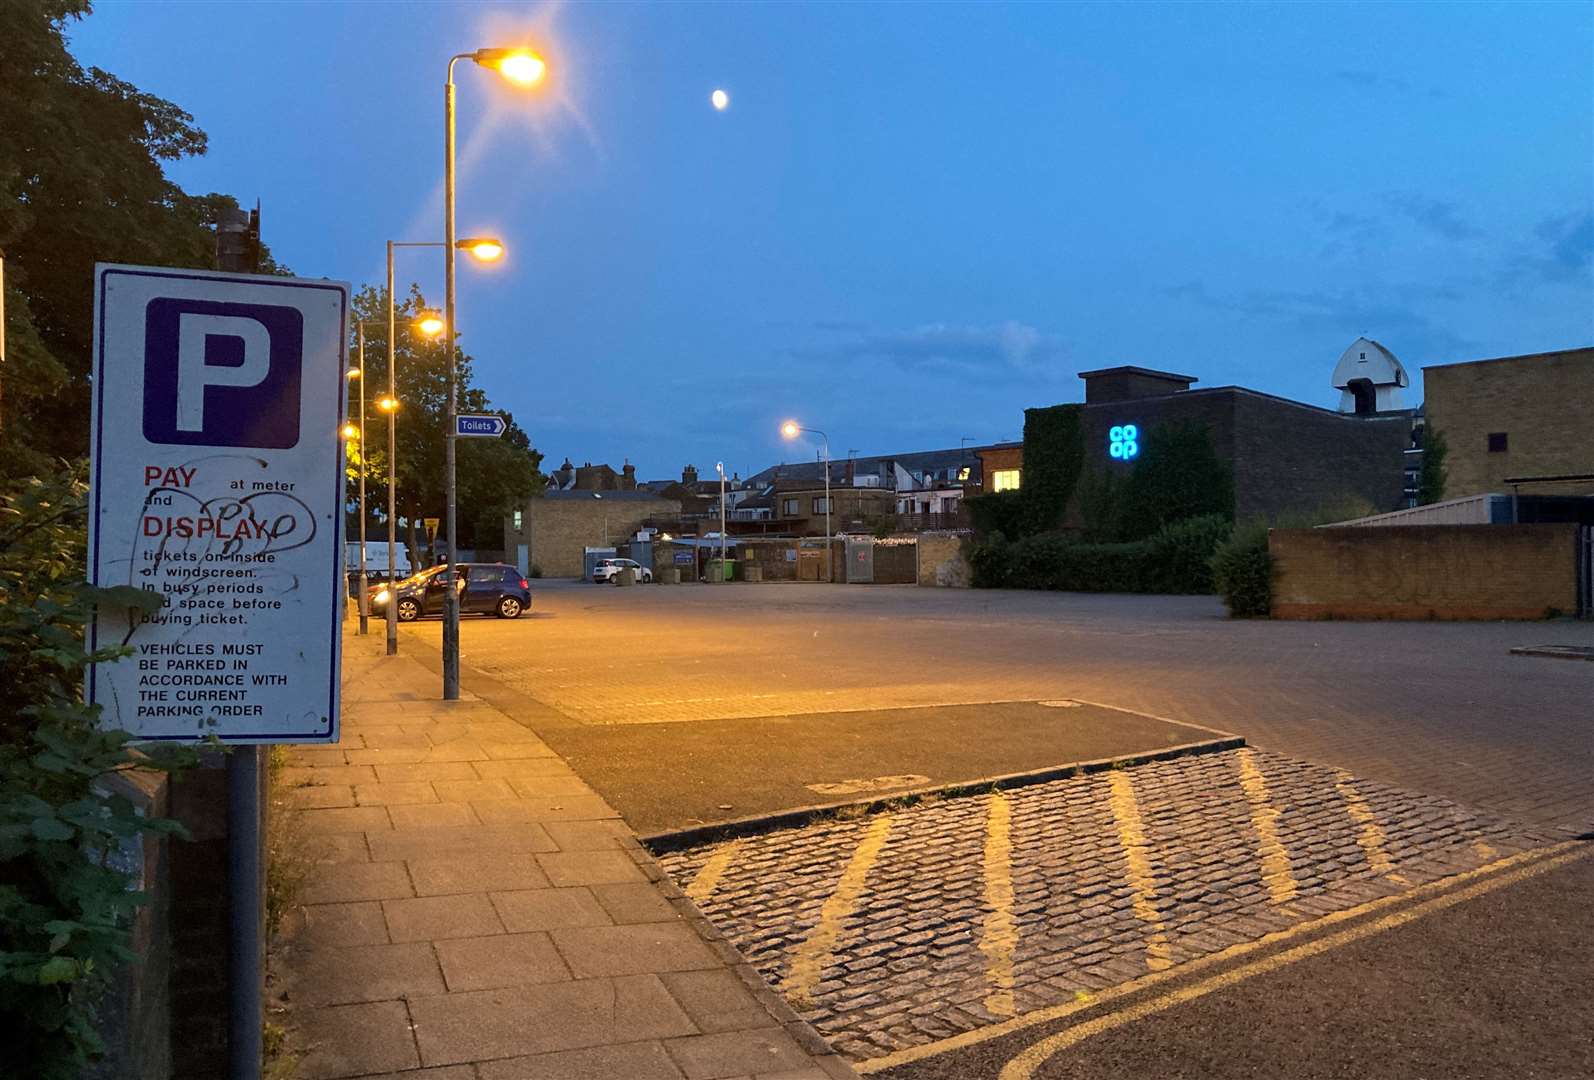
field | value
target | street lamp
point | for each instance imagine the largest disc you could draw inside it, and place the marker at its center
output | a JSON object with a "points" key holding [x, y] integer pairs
{"points": [[719, 467], [431, 325], [525, 68], [791, 429]]}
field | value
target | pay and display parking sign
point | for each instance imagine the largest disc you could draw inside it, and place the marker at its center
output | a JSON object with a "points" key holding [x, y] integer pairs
{"points": [[217, 481]]}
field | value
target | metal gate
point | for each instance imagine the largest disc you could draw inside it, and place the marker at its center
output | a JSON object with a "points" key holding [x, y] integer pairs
{"points": [[860, 561], [1585, 572]]}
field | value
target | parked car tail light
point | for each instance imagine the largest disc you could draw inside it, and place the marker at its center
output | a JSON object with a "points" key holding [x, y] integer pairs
{"points": [[524, 584]]}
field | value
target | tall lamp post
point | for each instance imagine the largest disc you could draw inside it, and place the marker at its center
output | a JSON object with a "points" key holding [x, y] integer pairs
{"points": [[791, 429], [350, 431], [485, 249], [525, 68], [720, 467]]}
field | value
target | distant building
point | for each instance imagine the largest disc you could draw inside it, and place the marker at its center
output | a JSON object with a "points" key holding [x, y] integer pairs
{"points": [[590, 477], [1514, 418], [1286, 456], [553, 530]]}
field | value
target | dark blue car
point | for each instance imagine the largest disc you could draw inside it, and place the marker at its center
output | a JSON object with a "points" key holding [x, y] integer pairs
{"points": [[487, 588]]}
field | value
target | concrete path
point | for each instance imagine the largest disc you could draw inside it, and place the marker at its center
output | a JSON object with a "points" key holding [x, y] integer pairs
{"points": [[477, 912]]}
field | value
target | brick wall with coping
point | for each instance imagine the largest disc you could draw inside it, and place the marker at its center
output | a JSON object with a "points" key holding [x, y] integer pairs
{"points": [[1425, 572]]}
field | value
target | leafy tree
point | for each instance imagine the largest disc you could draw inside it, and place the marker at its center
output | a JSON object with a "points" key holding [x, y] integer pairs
{"points": [[1432, 474], [493, 475], [82, 181]]}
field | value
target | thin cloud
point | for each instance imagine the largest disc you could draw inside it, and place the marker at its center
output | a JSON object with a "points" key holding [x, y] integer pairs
{"points": [[1438, 216], [1008, 347]]}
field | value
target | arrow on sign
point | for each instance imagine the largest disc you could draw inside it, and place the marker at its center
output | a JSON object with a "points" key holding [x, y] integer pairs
{"points": [[486, 427]]}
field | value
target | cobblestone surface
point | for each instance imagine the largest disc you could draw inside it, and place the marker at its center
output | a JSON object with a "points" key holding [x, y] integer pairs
{"points": [[956, 914]]}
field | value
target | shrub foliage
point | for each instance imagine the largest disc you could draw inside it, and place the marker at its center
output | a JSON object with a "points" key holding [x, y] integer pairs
{"points": [[1178, 559], [65, 906], [1242, 570]]}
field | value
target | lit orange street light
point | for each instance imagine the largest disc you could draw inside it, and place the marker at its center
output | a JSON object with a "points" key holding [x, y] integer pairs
{"points": [[791, 429], [387, 404], [430, 324], [350, 432], [525, 68]]}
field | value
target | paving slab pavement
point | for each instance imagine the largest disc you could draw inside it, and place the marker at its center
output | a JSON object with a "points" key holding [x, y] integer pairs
{"points": [[477, 912]]}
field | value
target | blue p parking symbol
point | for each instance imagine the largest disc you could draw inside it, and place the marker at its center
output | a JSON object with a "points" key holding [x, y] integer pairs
{"points": [[222, 374]]}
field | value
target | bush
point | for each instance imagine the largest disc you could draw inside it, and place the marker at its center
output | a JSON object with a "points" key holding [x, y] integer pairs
{"points": [[997, 512], [65, 907], [1242, 571], [1176, 560]]}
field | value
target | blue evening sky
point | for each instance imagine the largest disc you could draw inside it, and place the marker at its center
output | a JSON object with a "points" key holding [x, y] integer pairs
{"points": [[913, 221]]}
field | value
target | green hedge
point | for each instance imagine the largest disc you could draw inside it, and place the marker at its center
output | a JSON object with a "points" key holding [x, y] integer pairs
{"points": [[1177, 559], [1242, 570], [65, 909]]}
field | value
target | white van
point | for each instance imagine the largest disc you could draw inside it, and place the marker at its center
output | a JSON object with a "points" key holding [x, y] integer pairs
{"points": [[376, 560]]}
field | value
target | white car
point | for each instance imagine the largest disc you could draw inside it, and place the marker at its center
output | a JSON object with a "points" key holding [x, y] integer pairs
{"points": [[607, 569]]}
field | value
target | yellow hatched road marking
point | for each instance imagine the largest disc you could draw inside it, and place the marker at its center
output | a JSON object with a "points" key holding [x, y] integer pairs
{"points": [[1234, 952], [814, 952], [714, 867], [1023, 1066], [1371, 833], [1126, 812], [1276, 872], [1001, 932]]}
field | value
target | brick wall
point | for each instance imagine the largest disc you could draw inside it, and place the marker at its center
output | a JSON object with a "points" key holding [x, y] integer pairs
{"points": [[1425, 572], [941, 560], [1539, 402], [556, 530]]}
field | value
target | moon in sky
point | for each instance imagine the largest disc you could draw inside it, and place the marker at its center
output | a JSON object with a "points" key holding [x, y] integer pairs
{"points": [[720, 99]]}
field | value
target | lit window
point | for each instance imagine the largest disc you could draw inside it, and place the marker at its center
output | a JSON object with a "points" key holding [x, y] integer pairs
{"points": [[963, 473], [518, 518], [1005, 480]]}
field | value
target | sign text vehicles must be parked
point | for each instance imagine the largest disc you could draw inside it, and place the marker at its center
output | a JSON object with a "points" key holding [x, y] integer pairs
{"points": [[217, 482], [484, 426]]}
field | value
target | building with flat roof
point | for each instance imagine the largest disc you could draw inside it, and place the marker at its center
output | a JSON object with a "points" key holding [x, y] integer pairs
{"points": [[1515, 418]]}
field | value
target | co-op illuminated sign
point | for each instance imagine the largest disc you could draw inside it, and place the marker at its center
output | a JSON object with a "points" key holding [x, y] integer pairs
{"points": [[1123, 442]]}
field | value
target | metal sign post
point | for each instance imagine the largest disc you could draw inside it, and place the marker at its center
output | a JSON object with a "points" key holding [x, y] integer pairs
{"points": [[217, 481]]}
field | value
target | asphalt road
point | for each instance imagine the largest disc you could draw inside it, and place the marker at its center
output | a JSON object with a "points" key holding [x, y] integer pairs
{"points": [[695, 703], [1494, 988], [1439, 708]]}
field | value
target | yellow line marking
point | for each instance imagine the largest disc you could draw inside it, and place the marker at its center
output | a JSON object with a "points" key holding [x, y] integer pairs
{"points": [[1276, 873], [713, 868], [1371, 836], [814, 952], [1023, 1066], [1126, 812], [1483, 849], [1000, 938], [1084, 1001]]}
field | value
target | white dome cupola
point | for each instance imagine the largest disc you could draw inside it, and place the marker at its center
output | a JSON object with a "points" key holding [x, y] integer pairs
{"points": [[1369, 378]]}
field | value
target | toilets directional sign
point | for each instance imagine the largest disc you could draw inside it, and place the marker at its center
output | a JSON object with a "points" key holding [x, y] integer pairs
{"points": [[217, 482], [482, 427]]}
